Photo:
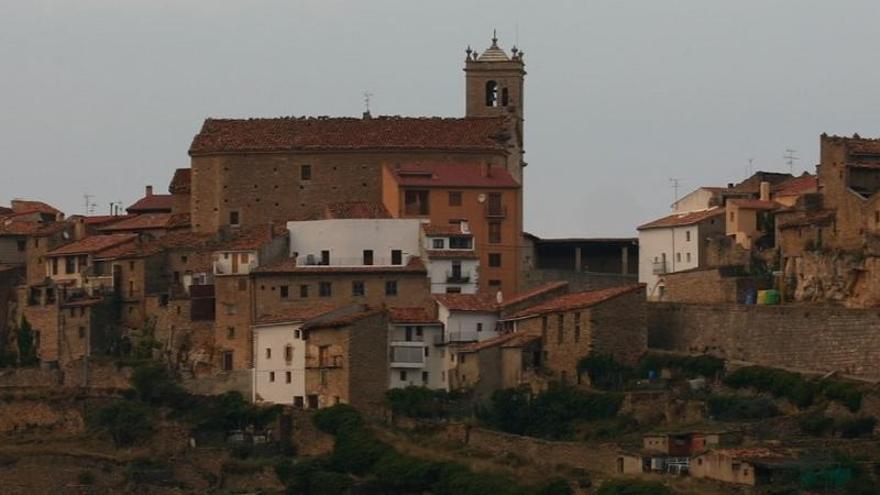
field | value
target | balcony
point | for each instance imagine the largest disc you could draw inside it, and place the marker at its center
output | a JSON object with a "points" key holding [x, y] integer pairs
{"points": [[463, 335], [457, 278], [407, 355], [659, 268], [495, 211]]}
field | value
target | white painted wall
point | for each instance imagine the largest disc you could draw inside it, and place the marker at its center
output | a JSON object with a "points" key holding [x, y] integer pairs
{"points": [[223, 262], [439, 268], [679, 245], [277, 337], [461, 326], [695, 201], [432, 357], [346, 239]]}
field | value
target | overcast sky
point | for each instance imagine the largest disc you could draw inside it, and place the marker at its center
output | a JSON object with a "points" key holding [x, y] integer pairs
{"points": [[104, 96]]}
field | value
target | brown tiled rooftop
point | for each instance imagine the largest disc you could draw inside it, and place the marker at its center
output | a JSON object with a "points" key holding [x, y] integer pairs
{"points": [[344, 321], [439, 254], [437, 230], [468, 302], [534, 292], [411, 315], [415, 265], [29, 206], [576, 300], [356, 209], [513, 339], [296, 314], [378, 133], [251, 238], [144, 221], [682, 219], [180, 183], [797, 186], [153, 203], [93, 244], [451, 175], [755, 204]]}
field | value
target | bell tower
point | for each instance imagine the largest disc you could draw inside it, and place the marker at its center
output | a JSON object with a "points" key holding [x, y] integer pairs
{"points": [[494, 88]]}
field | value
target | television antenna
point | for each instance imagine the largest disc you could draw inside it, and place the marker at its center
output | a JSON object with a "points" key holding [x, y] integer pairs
{"points": [[674, 184], [367, 96], [790, 157], [90, 205], [750, 168]]}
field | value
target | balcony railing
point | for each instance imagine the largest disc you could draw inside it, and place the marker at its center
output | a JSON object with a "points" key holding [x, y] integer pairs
{"points": [[457, 278], [496, 211], [659, 268], [407, 356]]}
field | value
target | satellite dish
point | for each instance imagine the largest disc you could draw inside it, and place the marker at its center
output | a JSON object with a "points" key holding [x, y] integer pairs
{"points": [[481, 198]]}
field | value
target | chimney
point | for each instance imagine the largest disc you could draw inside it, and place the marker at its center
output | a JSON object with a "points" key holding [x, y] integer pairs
{"points": [[765, 191], [149, 191], [367, 116]]}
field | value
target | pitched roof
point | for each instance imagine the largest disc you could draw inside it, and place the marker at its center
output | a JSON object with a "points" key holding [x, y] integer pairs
{"points": [[755, 204], [252, 238], [29, 206], [444, 229], [411, 315], [10, 227], [180, 183], [468, 302], [576, 300], [797, 186], [179, 221], [345, 133], [104, 219], [152, 203], [423, 174], [296, 314], [144, 221], [439, 254], [344, 321], [356, 209], [415, 265], [534, 292], [682, 219], [512, 339], [93, 244]]}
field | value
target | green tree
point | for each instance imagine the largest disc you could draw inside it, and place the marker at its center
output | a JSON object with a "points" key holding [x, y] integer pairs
{"points": [[27, 348], [126, 421]]}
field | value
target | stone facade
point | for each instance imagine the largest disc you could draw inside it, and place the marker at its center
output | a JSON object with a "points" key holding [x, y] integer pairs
{"points": [[710, 286], [817, 338]]}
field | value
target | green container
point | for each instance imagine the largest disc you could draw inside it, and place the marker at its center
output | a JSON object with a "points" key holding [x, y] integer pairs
{"points": [[771, 297]]}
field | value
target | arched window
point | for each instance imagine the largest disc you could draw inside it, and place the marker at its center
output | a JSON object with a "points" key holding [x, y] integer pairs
{"points": [[504, 97], [491, 94]]}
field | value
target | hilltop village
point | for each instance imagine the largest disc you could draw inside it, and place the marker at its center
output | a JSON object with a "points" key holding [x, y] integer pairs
{"points": [[315, 273]]}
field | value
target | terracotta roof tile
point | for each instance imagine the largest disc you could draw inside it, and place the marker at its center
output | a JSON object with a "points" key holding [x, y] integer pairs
{"points": [[144, 221], [82, 303], [28, 206], [104, 219], [452, 254], [513, 339], [415, 265], [411, 315], [468, 302], [755, 204], [93, 244], [576, 300], [380, 133], [252, 238], [451, 175], [10, 227], [180, 183], [681, 219], [436, 230], [356, 209], [797, 186], [179, 221], [297, 314], [535, 292], [154, 203], [344, 321]]}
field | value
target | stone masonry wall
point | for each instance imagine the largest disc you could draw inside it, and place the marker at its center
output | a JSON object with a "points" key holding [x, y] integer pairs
{"points": [[819, 338]]}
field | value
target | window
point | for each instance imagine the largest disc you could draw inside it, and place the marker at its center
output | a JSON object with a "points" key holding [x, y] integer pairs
{"points": [[479, 327], [271, 376], [403, 376], [176, 277], [505, 97], [54, 266], [678, 257], [304, 291], [544, 328], [305, 172], [494, 232], [491, 94], [495, 260], [416, 202], [454, 198], [560, 336], [687, 235], [227, 361], [69, 264], [391, 287], [324, 289], [298, 401], [288, 376], [460, 243], [268, 353], [688, 257], [234, 218], [396, 257], [357, 288], [731, 216], [21, 246], [284, 291], [425, 377], [427, 351], [494, 283], [368, 256], [230, 332], [325, 257], [288, 352], [438, 243], [577, 327], [242, 284], [453, 290], [183, 259], [82, 332]]}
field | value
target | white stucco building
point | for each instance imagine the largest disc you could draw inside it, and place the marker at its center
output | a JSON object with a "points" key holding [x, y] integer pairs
{"points": [[416, 349], [354, 242], [453, 264], [675, 243]]}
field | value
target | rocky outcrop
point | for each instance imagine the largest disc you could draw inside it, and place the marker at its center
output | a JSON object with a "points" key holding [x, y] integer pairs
{"points": [[850, 279]]}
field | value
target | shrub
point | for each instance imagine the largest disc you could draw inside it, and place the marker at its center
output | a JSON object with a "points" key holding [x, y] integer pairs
{"points": [[148, 472], [155, 385], [405, 474], [86, 478], [229, 411], [27, 349], [734, 408], [605, 372], [420, 402], [844, 393], [332, 419], [691, 366], [126, 421], [815, 424], [780, 383], [856, 428], [356, 449], [633, 487]]}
